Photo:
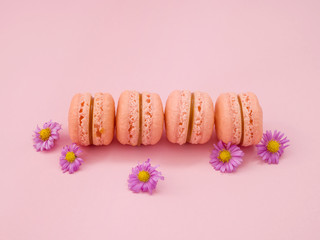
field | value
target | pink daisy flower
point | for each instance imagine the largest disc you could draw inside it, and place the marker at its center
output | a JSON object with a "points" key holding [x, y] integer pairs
{"points": [[272, 146], [69, 159], [44, 138], [226, 157], [144, 178]]}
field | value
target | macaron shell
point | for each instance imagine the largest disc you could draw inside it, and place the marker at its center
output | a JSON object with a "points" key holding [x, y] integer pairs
{"points": [[172, 116], [152, 118], [203, 118], [252, 119], [158, 119], [127, 120], [208, 122], [103, 119], [228, 123], [73, 118], [177, 115], [79, 112]]}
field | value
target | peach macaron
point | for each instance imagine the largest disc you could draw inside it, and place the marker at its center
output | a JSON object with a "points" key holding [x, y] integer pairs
{"points": [[189, 117], [139, 118], [91, 119], [239, 119]]}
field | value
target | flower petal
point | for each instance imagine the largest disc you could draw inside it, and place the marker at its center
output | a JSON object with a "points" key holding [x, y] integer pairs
{"points": [[136, 185]]}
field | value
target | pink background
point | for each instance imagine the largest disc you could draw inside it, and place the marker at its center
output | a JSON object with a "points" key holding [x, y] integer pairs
{"points": [[50, 50]]}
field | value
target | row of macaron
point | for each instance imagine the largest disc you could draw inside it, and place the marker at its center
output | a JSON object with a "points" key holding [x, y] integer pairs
{"points": [[188, 117]]}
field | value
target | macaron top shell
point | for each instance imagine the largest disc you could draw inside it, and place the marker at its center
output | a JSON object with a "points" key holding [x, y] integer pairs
{"points": [[228, 118], [79, 120], [73, 118]]}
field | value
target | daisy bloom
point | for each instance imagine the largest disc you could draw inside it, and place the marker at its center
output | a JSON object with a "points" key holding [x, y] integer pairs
{"points": [[272, 146], [144, 178], [226, 157], [69, 159], [44, 138]]}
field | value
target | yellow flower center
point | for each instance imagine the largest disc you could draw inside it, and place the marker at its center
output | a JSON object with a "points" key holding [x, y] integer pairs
{"points": [[70, 157], [45, 134], [143, 176], [273, 146], [224, 156]]}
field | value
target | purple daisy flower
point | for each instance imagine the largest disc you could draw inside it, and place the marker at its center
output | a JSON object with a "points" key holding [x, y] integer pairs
{"points": [[69, 160], [226, 157], [44, 138], [272, 146], [144, 178]]}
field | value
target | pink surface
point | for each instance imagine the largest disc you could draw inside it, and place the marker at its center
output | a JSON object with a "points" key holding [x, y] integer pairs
{"points": [[51, 50]]}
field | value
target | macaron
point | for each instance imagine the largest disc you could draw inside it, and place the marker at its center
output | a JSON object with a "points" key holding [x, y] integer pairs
{"points": [[91, 119], [189, 117], [239, 119], [139, 118]]}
